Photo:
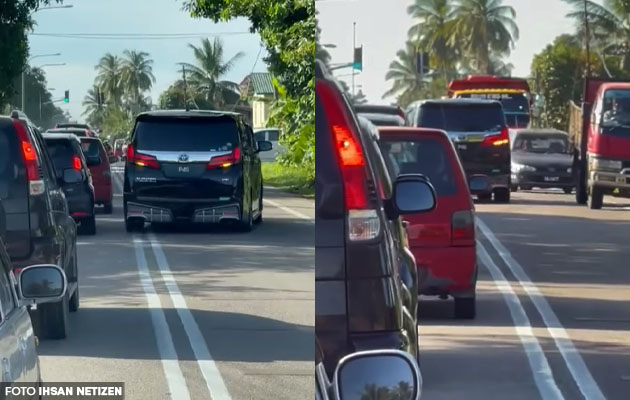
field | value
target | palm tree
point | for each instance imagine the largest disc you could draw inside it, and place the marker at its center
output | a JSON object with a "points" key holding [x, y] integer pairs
{"points": [[94, 110], [204, 77], [404, 73], [109, 77], [433, 31], [483, 28], [137, 77], [610, 27]]}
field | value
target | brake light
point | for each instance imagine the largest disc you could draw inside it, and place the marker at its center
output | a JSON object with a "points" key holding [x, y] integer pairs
{"points": [[226, 160], [76, 163], [141, 160], [463, 228], [35, 184], [16, 271], [500, 139]]}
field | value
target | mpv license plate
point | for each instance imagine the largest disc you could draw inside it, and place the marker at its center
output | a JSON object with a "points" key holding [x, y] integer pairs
{"points": [[462, 147], [552, 178]]}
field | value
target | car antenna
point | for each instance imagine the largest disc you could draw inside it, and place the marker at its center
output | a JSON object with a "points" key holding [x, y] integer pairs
{"points": [[185, 92]]}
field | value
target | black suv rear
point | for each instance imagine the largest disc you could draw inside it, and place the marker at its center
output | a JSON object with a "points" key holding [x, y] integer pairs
{"points": [[39, 229], [74, 177], [193, 166], [365, 276], [480, 134]]}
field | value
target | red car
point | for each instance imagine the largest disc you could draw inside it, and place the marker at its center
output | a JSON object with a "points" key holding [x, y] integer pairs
{"points": [[442, 240], [98, 163]]}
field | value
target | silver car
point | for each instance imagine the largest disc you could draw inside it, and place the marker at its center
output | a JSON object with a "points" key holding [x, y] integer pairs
{"points": [[269, 135], [34, 285]]}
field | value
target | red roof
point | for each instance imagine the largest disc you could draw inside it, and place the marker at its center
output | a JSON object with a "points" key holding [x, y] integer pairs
{"points": [[488, 82]]}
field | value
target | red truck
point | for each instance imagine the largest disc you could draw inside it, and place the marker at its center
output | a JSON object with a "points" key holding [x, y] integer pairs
{"points": [[600, 135], [513, 93]]}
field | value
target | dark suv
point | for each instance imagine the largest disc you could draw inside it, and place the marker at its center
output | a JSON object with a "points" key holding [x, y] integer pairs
{"points": [[193, 166], [480, 134], [39, 229], [75, 178], [366, 280]]}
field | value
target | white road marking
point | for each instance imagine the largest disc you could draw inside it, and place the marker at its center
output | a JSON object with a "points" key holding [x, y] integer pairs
{"points": [[543, 377], [170, 363], [572, 358], [290, 211], [208, 367]]}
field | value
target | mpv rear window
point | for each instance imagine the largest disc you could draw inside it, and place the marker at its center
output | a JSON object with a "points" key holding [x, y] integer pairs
{"points": [[10, 157], [425, 156], [62, 154], [90, 148], [186, 135], [462, 117]]}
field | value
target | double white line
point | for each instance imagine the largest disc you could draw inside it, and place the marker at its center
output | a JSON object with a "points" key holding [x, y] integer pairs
{"points": [[170, 363]]}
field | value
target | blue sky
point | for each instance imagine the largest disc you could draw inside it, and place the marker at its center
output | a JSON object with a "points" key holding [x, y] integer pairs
{"points": [[382, 30], [130, 16]]}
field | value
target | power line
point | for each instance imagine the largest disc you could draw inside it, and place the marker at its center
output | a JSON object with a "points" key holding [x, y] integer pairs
{"points": [[138, 36]]}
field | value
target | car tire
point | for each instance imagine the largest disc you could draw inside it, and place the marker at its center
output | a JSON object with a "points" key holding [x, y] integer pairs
{"points": [[54, 322], [88, 226], [514, 188], [247, 223], [484, 196], [259, 218], [502, 196], [465, 307], [595, 198], [568, 190], [134, 225], [75, 299], [109, 207]]}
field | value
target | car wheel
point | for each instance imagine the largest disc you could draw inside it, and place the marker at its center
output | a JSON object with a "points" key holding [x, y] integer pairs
{"points": [[88, 226], [259, 218], [595, 198], [484, 196], [54, 323], [502, 196], [465, 307], [514, 188], [247, 222], [109, 208], [568, 190], [134, 224]]}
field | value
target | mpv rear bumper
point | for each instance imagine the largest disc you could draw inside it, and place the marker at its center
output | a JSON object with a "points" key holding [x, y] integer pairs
{"points": [[494, 182], [174, 211]]}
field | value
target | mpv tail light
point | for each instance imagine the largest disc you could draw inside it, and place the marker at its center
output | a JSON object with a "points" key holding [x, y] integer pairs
{"points": [[226, 160], [363, 222], [463, 228], [76, 163], [35, 184], [141, 160], [499, 139]]}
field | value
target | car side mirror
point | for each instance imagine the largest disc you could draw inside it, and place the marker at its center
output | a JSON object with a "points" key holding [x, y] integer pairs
{"points": [[413, 194], [264, 145], [42, 283], [363, 373], [71, 175]]}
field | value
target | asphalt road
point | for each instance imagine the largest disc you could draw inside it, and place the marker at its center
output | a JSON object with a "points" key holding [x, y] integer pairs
{"points": [[553, 307], [189, 314]]}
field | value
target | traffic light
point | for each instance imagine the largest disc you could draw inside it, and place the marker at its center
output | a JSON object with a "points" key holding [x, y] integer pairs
{"points": [[100, 97], [358, 58], [66, 97], [422, 63]]}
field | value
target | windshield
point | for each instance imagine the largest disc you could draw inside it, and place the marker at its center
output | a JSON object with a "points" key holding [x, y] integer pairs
{"points": [[616, 112], [541, 144], [511, 102], [462, 117], [517, 120], [202, 135], [62, 154]]}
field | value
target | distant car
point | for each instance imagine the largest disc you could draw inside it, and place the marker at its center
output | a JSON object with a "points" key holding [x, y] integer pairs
{"points": [[481, 136], [34, 285], [207, 172], [71, 166], [442, 240], [38, 229], [384, 119], [98, 163], [80, 132], [542, 158], [271, 135], [90, 131], [379, 109]]}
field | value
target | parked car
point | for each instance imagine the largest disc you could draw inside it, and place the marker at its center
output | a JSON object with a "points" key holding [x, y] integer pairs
{"points": [[542, 158], [72, 170], [35, 285], [39, 229], [379, 109], [100, 170], [384, 119], [443, 240], [271, 135], [365, 275], [80, 132], [209, 172], [481, 137]]}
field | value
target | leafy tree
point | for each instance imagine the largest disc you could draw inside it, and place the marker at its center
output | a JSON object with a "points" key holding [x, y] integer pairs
{"points": [[136, 77], [117, 122], [403, 73], [94, 111], [484, 27], [204, 78], [320, 51], [109, 78], [173, 98]]}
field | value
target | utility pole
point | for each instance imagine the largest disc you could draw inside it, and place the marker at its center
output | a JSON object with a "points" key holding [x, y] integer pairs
{"points": [[354, 45], [185, 92], [587, 39]]}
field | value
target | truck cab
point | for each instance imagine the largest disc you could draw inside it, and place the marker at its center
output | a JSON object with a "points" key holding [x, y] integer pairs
{"points": [[601, 135]]}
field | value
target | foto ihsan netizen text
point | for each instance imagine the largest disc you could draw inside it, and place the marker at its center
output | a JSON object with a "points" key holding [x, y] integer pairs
{"points": [[65, 391]]}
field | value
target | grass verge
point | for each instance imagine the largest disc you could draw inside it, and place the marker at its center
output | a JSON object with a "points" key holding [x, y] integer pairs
{"points": [[293, 179]]}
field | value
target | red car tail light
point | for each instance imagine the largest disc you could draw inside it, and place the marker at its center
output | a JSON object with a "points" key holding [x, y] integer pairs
{"points": [[499, 139], [36, 185], [141, 160], [363, 222], [226, 160], [463, 228], [76, 163]]}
